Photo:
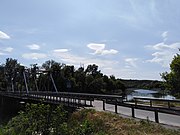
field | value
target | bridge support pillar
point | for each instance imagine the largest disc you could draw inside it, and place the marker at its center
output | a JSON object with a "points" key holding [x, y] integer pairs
{"points": [[156, 116]]}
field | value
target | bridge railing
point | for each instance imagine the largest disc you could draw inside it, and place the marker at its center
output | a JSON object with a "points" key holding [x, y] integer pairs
{"points": [[56, 97]]}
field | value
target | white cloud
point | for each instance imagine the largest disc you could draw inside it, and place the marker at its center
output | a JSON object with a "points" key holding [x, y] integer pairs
{"points": [[34, 56], [100, 49], [111, 51], [161, 46], [33, 47], [1, 54], [95, 46], [60, 50], [164, 35], [5, 51], [131, 62], [8, 49], [164, 53], [4, 35]]}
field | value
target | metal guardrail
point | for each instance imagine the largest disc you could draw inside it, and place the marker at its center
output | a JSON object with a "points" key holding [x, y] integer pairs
{"points": [[154, 109], [158, 99], [151, 100]]}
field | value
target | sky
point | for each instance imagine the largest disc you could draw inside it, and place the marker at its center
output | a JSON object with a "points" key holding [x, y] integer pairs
{"points": [[130, 39]]}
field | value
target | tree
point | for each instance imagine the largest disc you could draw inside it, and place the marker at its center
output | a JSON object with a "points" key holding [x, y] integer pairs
{"points": [[96, 86], [92, 70], [2, 78], [120, 85], [80, 78], [172, 79], [10, 68]]}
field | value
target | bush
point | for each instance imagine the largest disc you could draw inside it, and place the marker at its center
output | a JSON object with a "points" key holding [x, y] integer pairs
{"points": [[38, 119]]}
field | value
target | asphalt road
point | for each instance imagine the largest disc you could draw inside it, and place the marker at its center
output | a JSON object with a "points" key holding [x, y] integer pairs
{"points": [[167, 119]]}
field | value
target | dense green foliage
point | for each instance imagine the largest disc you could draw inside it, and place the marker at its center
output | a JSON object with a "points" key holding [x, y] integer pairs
{"points": [[143, 84], [66, 78], [50, 120], [172, 79], [38, 119]]}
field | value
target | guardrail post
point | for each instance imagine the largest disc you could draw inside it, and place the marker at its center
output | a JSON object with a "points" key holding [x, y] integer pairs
{"points": [[103, 104], [133, 113], [156, 116], [135, 101], [116, 106], [169, 105], [150, 103]]}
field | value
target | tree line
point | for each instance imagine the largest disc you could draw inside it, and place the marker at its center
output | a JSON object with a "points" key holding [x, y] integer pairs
{"points": [[66, 78]]}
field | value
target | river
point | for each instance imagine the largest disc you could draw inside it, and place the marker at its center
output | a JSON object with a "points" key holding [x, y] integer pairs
{"points": [[148, 93]]}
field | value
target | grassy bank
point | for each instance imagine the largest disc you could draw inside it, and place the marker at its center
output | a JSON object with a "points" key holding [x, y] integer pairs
{"points": [[111, 124], [47, 120]]}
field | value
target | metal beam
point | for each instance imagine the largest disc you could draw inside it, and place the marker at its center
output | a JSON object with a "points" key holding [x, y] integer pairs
{"points": [[53, 82], [25, 81]]}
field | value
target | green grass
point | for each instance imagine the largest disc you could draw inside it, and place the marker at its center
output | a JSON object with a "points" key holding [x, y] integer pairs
{"points": [[112, 124]]}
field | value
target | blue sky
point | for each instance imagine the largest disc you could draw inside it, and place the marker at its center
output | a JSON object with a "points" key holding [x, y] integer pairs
{"points": [[131, 39]]}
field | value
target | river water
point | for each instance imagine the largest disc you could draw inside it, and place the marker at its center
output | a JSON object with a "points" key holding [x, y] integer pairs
{"points": [[148, 93]]}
